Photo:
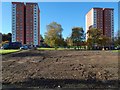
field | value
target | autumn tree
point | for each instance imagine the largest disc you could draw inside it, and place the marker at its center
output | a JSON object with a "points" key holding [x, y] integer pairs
{"points": [[41, 40], [53, 36], [89, 43], [69, 41], [104, 41], [93, 37], [117, 39], [77, 36], [7, 37], [97, 39]]}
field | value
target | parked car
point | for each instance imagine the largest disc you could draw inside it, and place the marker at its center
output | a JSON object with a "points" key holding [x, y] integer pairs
{"points": [[12, 45], [117, 48], [5, 46], [24, 47]]}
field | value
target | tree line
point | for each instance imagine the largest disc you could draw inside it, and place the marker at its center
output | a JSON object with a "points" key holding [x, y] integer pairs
{"points": [[53, 38], [96, 39]]}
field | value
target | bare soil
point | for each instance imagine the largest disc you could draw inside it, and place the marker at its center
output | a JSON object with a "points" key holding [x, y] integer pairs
{"points": [[60, 69]]}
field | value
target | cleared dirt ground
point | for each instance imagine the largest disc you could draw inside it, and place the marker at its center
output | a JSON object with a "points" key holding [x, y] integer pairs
{"points": [[60, 69]]}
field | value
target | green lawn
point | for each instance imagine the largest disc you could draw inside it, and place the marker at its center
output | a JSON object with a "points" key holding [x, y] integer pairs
{"points": [[51, 49], [3, 52], [116, 51]]}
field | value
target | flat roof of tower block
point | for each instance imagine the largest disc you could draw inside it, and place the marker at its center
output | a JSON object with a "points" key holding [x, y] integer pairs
{"points": [[32, 3], [101, 8], [27, 3], [108, 9], [94, 8], [17, 2], [97, 8]]}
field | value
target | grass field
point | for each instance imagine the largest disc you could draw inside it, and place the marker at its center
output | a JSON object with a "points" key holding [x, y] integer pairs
{"points": [[3, 52], [116, 51], [51, 49]]}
